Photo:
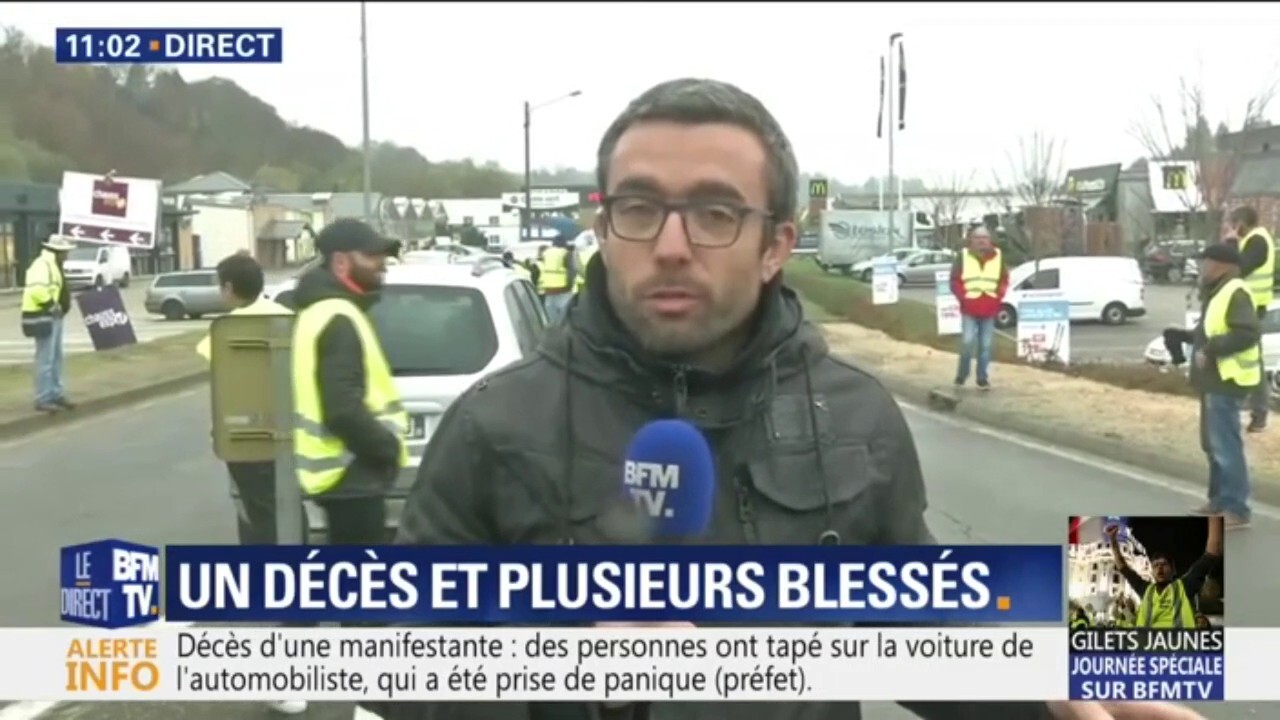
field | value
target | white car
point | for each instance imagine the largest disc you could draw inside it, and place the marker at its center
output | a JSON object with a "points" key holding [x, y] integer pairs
{"points": [[443, 327], [1157, 354], [1109, 289], [862, 270]]}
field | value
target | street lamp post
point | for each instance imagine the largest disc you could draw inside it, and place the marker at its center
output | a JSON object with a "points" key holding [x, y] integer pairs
{"points": [[526, 213], [894, 39], [367, 182]]}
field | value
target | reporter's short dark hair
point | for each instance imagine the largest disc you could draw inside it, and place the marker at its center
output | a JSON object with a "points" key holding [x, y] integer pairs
{"points": [[244, 274], [1245, 215]]}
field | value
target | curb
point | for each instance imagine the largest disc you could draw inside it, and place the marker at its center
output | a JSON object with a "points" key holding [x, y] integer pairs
{"points": [[946, 400], [96, 406]]}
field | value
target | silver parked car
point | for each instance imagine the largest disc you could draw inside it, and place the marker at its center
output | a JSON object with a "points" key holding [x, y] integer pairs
{"points": [[187, 293], [922, 268]]}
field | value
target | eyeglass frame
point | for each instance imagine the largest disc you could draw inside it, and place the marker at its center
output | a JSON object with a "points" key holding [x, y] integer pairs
{"points": [[681, 208]]}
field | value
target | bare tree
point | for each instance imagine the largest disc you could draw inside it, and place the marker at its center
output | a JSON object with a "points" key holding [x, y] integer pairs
{"points": [[950, 196], [1182, 130], [1034, 179], [1036, 173]]}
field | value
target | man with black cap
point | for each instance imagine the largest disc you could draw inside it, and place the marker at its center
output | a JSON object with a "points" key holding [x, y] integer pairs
{"points": [[1226, 366], [349, 423]]}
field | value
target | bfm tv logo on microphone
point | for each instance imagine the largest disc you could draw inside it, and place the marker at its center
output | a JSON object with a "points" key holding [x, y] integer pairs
{"points": [[648, 483]]}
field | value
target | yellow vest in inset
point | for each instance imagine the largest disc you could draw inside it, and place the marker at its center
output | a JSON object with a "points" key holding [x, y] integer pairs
{"points": [[1168, 608]]}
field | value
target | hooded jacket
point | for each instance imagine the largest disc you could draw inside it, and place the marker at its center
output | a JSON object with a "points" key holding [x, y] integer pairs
{"points": [[341, 377], [807, 449]]}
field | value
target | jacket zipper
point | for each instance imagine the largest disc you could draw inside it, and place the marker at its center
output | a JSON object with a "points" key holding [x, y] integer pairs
{"points": [[746, 514], [680, 381]]}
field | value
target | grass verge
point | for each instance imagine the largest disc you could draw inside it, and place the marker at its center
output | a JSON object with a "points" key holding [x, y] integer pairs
{"points": [[845, 298], [93, 374]]}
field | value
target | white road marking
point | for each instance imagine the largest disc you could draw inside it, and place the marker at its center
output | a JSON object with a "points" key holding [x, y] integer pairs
{"points": [[1144, 477]]}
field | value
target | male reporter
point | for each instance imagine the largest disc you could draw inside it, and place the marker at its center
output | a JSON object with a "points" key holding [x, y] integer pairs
{"points": [[684, 314]]}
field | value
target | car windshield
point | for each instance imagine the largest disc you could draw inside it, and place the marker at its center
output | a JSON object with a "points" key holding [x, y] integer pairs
{"points": [[83, 253], [434, 330]]}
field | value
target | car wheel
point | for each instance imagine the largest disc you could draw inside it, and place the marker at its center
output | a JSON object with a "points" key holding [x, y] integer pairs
{"points": [[172, 310], [124, 280], [1007, 317], [865, 276], [1114, 314]]}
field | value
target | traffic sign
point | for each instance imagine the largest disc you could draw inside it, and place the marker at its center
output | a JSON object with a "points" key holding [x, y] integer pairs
{"points": [[818, 189], [100, 234], [109, 210]]}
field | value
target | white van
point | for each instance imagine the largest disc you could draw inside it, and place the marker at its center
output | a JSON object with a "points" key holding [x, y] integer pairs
{"points": [[1099, 288], [97, 266]]}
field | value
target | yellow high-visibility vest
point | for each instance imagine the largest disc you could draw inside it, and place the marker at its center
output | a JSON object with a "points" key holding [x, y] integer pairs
{"points": [[261, 306], [1168, 608], [584, 257], [41, 285], [1245, 367], [322, 458], [981, 278], [553, 270], [1261, 282]]}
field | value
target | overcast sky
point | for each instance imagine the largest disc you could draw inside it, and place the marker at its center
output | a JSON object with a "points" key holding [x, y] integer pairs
{"points": [[449, 79]]}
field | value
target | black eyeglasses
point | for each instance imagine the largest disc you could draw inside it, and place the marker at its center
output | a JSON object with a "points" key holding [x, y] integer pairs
{"points": [[707, 223]]}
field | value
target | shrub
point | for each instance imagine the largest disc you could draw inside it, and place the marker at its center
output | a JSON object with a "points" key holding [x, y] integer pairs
{"points": [[915, 322]]}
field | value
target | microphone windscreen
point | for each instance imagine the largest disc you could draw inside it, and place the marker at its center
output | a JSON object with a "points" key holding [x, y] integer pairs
{"points": [[670, 474]]}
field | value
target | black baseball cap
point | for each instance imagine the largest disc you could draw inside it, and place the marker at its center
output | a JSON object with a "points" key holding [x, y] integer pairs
{"points": [[352, 235], [1221, 252]]}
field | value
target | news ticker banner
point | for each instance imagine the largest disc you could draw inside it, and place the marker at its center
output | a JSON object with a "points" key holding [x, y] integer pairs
{"points": [[164, 662], [114, 584]]}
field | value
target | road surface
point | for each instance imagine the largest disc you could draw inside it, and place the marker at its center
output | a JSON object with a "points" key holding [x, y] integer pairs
{"points": [[1166, 305], [106, 476]]}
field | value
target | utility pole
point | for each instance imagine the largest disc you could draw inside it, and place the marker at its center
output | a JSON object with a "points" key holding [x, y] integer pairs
{"points": [[367, 185], [526, 214], [526, 224], [893, 41]]}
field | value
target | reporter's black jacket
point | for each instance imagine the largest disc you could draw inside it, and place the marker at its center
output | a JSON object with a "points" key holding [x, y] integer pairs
{"points": [[806, 445]]}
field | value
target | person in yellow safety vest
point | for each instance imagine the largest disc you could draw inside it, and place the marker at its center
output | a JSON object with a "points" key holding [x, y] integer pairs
{"points": [[241, 281], [350, 426], [979, 280], [554, 282], [1168, 601], [46, 300], [1226, 366], [1258, 270], [1080, 618], [584, 254]]}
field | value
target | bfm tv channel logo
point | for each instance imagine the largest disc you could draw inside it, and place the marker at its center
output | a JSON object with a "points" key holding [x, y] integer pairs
{"points": [[110, 584]]}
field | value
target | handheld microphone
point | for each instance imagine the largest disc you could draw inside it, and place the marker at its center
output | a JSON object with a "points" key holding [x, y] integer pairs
{"points": [[670, 474]]}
